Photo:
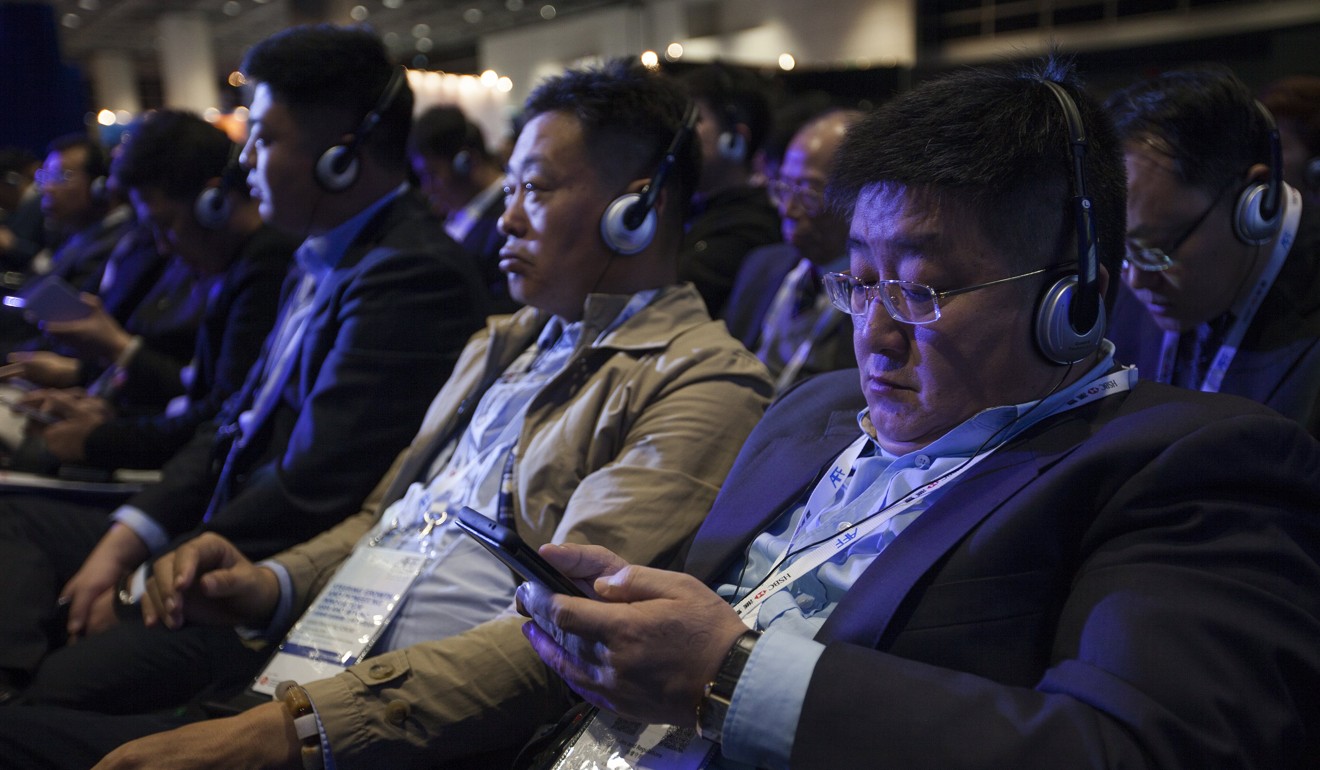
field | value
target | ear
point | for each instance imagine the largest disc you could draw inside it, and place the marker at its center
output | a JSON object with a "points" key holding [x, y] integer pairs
{"points": [[1258, 173]]}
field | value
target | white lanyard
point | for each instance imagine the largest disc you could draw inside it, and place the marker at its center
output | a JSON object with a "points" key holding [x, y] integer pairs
{"points": [[1228, 350], [815, 556]]}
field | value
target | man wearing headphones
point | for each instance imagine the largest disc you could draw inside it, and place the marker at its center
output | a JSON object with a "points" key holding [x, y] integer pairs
{"points": [[182, 177], [371, 325], [465, 186], [1011, 557], [608, 410], [729, 216], [1222, 290]]}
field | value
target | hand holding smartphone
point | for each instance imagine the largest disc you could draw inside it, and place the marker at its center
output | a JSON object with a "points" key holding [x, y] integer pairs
{"points": [[51, 298], [510, 549]]}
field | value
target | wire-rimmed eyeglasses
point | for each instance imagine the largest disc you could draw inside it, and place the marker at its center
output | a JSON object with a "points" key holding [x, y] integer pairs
{"points": [[1153, 259], [907, 302]]}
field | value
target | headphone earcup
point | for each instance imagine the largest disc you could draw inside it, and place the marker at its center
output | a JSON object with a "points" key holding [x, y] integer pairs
{"points": [[212, 208], [337, 169], [1055, 337], [99, 190], [732, 146], [1249, 224], [615, 231]]}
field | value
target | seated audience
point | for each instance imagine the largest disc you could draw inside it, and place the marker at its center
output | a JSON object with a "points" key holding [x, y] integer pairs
{"points": [[465, 186], [372, 323], [1019, 556], [181, 177], [730, 216], [778, 307], [1221, 285], [22, 230], [594, 404]]}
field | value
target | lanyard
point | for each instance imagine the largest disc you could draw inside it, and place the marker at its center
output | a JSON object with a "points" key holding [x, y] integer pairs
{"points": [[814, 556], [1228, 350]]}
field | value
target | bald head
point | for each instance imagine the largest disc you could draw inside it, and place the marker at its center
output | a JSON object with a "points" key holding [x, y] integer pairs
{"points": [[816, 232]]}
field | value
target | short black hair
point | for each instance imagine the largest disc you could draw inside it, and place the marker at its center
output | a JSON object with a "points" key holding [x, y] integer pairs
{"points": [[737, 96], [995, 139], [175, 152], [325, 70], [1296, 99], [96, 165], [444, 131], [629, 116], [1203, 118]]}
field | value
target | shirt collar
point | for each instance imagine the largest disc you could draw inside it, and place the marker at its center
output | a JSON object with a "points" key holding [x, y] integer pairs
{"points": [[320, 254]]}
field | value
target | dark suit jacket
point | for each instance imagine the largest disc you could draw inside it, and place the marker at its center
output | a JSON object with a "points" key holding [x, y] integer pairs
{"points": [[384, 332], [1133, 583], [721, 230], [1278, 363], [239, 314], [759, 279]]}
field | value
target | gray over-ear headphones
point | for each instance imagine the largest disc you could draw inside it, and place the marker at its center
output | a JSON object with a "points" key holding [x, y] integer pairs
{"points": [[1070, 318], [337, 168], [629, 222], [212, 207], [1256, 218]]}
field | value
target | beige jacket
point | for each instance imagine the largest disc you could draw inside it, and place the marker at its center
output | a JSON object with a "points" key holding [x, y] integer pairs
{"points": [[626, 447]]}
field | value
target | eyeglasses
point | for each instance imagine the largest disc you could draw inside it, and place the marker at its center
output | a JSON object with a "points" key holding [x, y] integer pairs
{"points": [[907, 302], [46, 178], [1153, 259], [782, 194]]}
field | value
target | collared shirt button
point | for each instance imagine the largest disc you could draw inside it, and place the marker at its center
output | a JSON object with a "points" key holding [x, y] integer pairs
{"points": [[843, 525], [397, 712], [381, 671], [805, 601], [923, 461]]}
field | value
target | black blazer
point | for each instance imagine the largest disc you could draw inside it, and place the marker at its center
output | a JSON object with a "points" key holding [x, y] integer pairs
{"points": [[1133, 583], [384, 332]]}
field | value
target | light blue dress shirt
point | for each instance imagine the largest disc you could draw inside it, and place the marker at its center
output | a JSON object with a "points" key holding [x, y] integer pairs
{"points": [[763, 714]]}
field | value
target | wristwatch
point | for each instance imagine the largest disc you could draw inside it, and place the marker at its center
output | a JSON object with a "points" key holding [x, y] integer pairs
{"points": [[299, 705], [718, 693]]}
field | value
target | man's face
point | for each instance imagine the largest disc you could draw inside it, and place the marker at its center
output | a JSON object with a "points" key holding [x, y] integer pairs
{"points": [[1209, 266], [554, 255], [922, 381], [280, 165], [66, 189], [176, 230], [805, 221], [435, 176]]}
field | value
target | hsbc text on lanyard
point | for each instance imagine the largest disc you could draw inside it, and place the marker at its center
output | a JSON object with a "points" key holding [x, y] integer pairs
{"points": [[610, 741], [1219, 367]]}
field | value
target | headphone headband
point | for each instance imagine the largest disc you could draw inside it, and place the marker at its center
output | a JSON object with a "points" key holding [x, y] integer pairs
{"points": [[1084, 310], [337, 168]]}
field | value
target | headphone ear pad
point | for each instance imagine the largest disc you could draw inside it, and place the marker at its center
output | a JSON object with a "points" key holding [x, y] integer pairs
{"points": [[337, 169], [212, 208], [732, 146], [620, 238], [1055, 336], [1249, 224]]}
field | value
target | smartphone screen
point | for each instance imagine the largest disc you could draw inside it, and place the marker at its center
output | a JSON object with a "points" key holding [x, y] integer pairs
{"points": [[505, 544]]}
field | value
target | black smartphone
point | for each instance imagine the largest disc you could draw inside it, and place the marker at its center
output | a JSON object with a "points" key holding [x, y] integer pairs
{"points": [[505, 544]]}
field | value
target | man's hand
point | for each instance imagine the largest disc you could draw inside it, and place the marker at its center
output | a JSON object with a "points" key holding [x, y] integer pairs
{"points": [[45, 368], [260, 738], [208, 580], [646, 650], [96, 334], [118, 553], [79, 415]]}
